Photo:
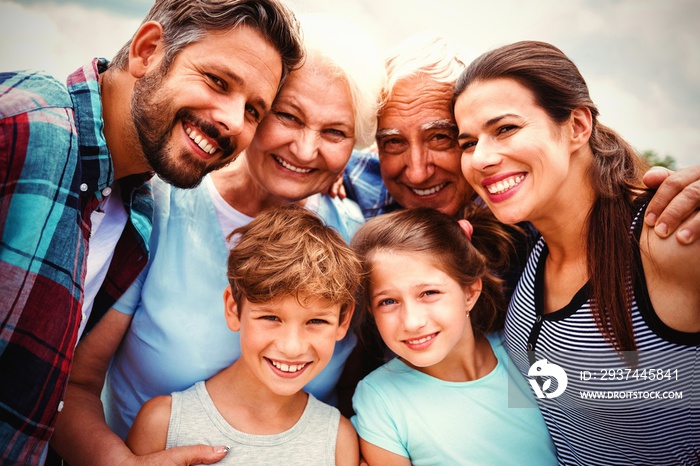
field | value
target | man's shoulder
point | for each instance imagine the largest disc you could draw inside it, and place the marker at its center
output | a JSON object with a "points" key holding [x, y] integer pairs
{"points": [[28, 91]]}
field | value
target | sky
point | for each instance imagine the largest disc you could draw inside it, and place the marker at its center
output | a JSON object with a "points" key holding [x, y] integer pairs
{"points": [[641, 58]]}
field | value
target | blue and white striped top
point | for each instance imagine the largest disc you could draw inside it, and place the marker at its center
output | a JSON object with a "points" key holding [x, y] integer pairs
{"points": [[611, 412]]}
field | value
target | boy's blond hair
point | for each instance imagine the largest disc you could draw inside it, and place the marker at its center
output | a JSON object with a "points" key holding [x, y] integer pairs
{"points": [[288, 251]]}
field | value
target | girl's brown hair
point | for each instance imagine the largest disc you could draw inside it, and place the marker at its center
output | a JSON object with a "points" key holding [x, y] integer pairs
{"points": [[440, 238]]}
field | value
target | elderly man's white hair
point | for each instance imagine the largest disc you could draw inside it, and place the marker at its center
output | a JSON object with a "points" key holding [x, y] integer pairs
{"points": [[431, 56]]}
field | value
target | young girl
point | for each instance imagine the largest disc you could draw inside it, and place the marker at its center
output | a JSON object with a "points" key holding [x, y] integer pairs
{"points": [[451, 396]]}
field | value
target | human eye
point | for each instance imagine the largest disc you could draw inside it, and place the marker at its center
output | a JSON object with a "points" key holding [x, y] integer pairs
{"points": [[442, 137], [506, 129], [442, 141], [318, 322], [287, 118], [253, 112], [334, 135], [269, 318], [218, 82], [430, 295], [392, 145], [386, 302], [467, 146]]}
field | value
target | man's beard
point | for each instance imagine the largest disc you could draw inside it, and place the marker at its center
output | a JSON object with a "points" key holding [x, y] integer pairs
{"points": [[150, 115]]}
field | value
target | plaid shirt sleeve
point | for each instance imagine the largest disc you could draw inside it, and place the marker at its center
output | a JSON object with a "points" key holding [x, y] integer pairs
{"points": [[364, 184], [43, 240], [54, 165]]}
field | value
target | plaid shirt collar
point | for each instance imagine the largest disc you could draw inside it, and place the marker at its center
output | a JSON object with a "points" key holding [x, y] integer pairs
{"points": [[96, 161]]}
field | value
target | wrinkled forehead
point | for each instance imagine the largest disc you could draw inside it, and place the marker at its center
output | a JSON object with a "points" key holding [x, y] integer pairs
{"points": [[420, 101]]}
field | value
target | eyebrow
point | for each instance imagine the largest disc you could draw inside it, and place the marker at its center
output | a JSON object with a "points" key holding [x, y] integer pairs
{"points": [[345, 125], [327, 314], [382, 133], [437, 124], [488, 123], [380, 293], [440, 124], [271, 309], [290, 102], [389, 291]]}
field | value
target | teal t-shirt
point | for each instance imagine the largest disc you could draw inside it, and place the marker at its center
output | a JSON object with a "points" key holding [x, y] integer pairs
{"points": [[434, 422]]}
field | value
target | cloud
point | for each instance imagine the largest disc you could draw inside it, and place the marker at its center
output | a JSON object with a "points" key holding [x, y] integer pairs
{"points": [[640, 57], [136, 8], [59, 38]]}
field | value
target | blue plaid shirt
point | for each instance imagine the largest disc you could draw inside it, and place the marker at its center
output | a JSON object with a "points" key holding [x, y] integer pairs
{"points": [[54, 166], [364, 185]]}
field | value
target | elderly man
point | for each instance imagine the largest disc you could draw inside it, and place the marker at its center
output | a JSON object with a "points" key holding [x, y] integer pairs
{"points": [[182, 98], [418, 162]]}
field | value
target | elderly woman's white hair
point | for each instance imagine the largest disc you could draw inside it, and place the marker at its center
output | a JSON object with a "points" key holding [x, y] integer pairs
{"points": [[347, 49], [423, 54]]}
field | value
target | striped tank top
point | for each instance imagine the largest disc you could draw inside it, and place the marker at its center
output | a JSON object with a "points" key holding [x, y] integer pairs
{"points": [[603, 409]]}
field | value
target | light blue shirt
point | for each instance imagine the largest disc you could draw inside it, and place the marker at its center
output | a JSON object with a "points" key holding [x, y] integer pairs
{"points": [[434, 422], [178, 334]]}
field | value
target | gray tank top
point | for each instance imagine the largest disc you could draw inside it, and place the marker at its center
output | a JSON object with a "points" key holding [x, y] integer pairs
{"points": [[311, 441]]}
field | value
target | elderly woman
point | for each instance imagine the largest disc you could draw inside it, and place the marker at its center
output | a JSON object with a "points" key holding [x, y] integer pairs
{"points": [[178, 334], [601, 293]]}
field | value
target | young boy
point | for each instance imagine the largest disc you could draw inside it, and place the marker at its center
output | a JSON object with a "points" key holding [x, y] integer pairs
{"points": [[291, 297]]}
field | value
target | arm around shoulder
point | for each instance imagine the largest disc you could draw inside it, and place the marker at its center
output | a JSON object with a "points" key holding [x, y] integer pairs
{"points": [[149, 436], [82, 436], [673, 279], [674, 207]]}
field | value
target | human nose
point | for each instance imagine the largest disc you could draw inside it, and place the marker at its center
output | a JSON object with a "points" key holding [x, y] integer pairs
{"points": [[291, 342], [305, 145], [230, 115], [483, 156], [419, 166], [414, 317]]}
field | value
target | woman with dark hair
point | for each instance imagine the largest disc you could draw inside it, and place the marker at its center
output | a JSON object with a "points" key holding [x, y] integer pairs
{"points": [[599, 285]]}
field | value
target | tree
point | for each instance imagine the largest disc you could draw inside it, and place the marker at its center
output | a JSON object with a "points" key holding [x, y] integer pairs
{"points": [[653, 159]]}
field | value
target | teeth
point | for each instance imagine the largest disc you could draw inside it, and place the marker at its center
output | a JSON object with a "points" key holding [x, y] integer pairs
{"points": [[429, 191], [420, 340], [200, 141], [292, 167], [288, 367], [504, 185]]}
